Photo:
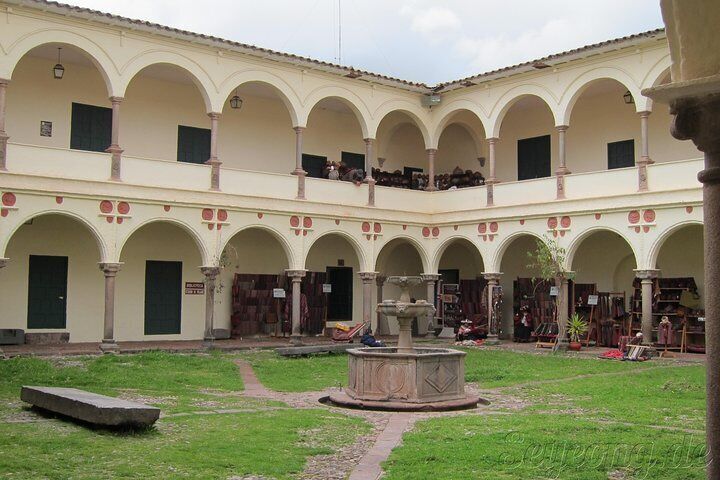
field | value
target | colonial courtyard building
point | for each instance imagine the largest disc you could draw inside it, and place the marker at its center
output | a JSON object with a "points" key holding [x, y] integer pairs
{"points": [[158, 184]]}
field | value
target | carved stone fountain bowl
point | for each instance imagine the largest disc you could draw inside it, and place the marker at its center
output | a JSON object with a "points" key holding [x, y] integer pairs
{"points": [[424, 379]]}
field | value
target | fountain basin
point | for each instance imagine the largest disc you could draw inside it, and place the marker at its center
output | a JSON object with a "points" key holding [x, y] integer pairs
{"points": [[388, 379]]}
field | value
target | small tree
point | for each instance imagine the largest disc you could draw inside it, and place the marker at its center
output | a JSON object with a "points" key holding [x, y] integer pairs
{"points": [[548, 259]]}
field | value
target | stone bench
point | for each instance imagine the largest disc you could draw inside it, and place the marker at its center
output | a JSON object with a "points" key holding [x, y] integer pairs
{"points": [[90, 407], [311, 349]]}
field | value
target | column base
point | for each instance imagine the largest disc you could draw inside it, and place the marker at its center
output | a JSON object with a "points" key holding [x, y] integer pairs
{"points": [[208, 342], [562, 345], [109, 346], [296, 341], [491, 340]]}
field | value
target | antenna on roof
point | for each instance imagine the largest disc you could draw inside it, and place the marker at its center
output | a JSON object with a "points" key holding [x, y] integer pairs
{"points": [[339, 33]]}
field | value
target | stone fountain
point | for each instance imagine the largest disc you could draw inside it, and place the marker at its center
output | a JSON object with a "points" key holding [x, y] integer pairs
{"points": [[404, 377]]}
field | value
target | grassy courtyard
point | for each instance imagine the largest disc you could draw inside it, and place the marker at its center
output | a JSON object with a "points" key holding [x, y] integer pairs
{"points": [[551, 417]]}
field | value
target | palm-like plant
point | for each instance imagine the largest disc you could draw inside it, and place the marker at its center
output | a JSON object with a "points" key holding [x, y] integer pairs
{"points": [[576, 327]]}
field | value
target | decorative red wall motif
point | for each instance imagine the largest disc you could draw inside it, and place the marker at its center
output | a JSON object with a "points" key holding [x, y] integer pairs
{"points": [[59, 200], [8, 200], [488, 231], [522, 221], [641, 223], [404, 227], [426, 232], [260, 215], [559, 227], [114, 211], [301, 226], [598, 216], [337, 221], [431, 232], [455, 227], [689, 209], [166, 208], [214, 218]]}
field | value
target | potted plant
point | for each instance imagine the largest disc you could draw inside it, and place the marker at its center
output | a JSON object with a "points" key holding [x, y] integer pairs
{"points": [[576, 327]]}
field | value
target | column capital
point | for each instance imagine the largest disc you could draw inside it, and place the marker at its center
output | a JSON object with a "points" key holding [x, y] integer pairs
{"points": [[299, 130], [430, 277], [296, 275], [490, 276], [647, 274], [380, 279], [116, 100], [367, 277], [493, 140], [368, 140], [644, 113], [4, 81], [110, 268], [431, 151], [210, 271], [562, 128], [4, 262], [214, 115]]}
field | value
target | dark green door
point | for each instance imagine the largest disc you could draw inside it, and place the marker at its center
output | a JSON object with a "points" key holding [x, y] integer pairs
{"points": [[341, 298], [90, 127], [193, 144], [163, 297], [534, 157], [47, 292]]}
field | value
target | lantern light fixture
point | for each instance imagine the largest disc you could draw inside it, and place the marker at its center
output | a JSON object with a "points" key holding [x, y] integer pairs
{"points": [[236, 102], [628, 98], [58, 69]]}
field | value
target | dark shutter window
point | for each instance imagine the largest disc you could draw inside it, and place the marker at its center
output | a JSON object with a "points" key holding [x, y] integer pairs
{"points": [[90, 127], [193, 144], [314, 165], [534, 158], [621, 154], [408, 171], [354, 160]]}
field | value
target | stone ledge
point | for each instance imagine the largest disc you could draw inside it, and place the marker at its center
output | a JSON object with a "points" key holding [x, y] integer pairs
{"points": [[90, 407], [342, 399]]}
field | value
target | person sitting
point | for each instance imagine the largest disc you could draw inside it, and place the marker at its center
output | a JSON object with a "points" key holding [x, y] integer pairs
{"points": [[369, 340]]}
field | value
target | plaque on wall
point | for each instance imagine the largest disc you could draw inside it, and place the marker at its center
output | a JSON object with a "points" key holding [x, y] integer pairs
{"points": [[45, 128], [194, 288]]}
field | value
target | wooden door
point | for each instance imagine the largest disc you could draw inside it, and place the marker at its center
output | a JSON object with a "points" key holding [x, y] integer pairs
{"points": [[47, 292], [163, 297]]}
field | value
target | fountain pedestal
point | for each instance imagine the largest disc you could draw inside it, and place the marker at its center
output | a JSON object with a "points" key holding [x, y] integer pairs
{"points": [[405, 378]]}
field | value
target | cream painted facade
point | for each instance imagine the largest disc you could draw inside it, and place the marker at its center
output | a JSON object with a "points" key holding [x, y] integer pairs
{"points": [[58, 201]]}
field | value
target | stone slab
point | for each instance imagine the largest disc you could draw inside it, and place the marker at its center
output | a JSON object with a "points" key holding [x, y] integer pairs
{"points": [[47, 338], [446, 332], [90, 407], [311, 349]]}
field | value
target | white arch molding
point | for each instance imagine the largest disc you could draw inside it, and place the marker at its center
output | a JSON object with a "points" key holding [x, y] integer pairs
{"points": [[447, 112], [99, 239], [419, 116], [283, 241], [283, 90], [657, 245], [422, 253], [454, 239], [585, 234], [347, 97], [354, 243], [497, 256], [509, 98], [203, 250]]}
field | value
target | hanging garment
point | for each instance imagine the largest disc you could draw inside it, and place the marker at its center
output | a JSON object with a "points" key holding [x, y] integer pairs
{"points": [[304, 310], [665, 333]]}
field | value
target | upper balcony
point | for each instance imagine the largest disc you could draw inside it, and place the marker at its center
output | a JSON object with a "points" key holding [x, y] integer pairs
{"points": [[161, 136]]}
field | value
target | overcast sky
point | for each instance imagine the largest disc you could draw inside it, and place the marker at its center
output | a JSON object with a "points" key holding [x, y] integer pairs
{"points": [[421, 40]]}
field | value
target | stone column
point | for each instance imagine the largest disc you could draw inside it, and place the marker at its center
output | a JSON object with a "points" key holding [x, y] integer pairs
{"points": [[210, 274], [108, 341], [644, 152], [382, 325], [3, 134], [298, 162], [114, 149], [3, 262], [214, 162], [562, 308], [491, 180], [369, 142], [367, 282], [493, 280], [647, 278], [430, 280], [431, 169], [296, 277], [562, 167]]}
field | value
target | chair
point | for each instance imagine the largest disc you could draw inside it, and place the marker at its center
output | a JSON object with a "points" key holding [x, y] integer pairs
{"points": [[347, 337]]}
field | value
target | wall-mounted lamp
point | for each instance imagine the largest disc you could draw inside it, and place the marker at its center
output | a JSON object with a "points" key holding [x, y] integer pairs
{"points": [[236, 102], [481, 161], [628, 98], [58, 69]]}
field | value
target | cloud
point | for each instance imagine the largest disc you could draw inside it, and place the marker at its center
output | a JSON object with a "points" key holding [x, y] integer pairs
{"points": [[434, 23]]}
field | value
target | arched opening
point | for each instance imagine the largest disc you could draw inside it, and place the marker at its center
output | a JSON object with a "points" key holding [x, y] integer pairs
{"points": [[166, 98], [401, 257], [253, 263], [333, 260], [333, 135], [462, 152], [152, 302], [401, 151], [681, 264], [662, 145], [71, 112], [528, 141], [258, 135], [522, 286], [461, 264], [604, 265], [617, 144], [52, 287]]}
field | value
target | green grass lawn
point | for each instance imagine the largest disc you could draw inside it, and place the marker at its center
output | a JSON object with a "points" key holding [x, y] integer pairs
{"points": [[267, 438], [301, 374]]}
